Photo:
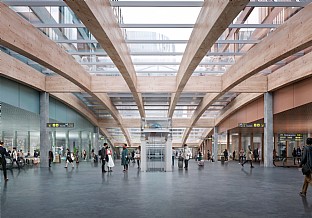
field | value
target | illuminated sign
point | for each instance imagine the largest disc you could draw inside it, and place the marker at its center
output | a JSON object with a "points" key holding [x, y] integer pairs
{"points": [[290, 136], [60, 125], [251, 125]]}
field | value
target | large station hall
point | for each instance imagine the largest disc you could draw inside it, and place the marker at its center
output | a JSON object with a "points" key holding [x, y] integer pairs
{"points": [[182, 108]]}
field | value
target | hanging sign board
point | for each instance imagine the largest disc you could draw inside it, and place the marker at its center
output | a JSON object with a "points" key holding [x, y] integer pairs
{"points": [[251, 125], [60, 125]]}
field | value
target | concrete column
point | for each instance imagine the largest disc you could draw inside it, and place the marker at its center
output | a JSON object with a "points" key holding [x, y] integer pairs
{"points": [[96, 140], [251, 141], [15, 139], [143, 156], [44, 133], [27, 143], [215, 143], [67, 145], [168, 156], [80, 142], [268, 130], [228, 142], [54, 139]]}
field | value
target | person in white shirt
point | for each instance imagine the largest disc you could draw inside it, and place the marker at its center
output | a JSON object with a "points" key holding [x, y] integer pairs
{"points": [[186, 155], [15, 157]]}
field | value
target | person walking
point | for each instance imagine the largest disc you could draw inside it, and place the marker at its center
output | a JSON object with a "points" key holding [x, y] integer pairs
{"points": [[173, 154], [306, 162], [110, 162], [138, 156], [69, 158], [125, 158], [103, 153], [3, 154], [241, 156], [226, 155], [15, 158], [248, 157], [50, 158], [186, 156]]}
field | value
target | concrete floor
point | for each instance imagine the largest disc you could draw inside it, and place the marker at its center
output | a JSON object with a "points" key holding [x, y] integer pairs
{"points": [[214, 190]]}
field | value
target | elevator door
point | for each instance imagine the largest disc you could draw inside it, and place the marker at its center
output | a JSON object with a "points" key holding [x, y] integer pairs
{"points": [[155, 157]]}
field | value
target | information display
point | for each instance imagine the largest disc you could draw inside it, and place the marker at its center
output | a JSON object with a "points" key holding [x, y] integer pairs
{"points": [[60, 125], [251, 125], [290, 136]]}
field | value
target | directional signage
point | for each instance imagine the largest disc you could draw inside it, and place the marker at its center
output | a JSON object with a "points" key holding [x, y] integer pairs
{"points": [[251, 125], [290, 136], [60, 125]]}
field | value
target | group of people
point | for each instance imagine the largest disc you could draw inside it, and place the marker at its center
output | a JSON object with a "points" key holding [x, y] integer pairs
{"points": [[296, 154], [183, 156]]}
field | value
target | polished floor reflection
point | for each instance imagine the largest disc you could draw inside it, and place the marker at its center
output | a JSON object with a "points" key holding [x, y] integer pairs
{"points": [[214, 190]]}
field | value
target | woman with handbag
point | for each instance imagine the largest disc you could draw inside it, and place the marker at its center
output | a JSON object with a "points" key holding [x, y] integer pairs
{"points": [[69, 158], [306, 164]]}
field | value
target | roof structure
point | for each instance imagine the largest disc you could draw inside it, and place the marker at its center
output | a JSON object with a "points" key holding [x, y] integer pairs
{"points": [[116, 62]]}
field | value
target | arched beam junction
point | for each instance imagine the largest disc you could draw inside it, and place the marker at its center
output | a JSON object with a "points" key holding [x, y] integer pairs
{"points": [[295, 34], [213, 19], [99, 18], [36, 46]]}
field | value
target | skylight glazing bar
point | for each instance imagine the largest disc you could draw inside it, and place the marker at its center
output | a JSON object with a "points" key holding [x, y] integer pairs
{"points": [[80, 25], [42, 3]]}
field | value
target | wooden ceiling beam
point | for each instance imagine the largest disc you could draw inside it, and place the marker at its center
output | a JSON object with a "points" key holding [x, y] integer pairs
{"points": [[33, 44], [263, 55], [99, 18], [213, 19]]}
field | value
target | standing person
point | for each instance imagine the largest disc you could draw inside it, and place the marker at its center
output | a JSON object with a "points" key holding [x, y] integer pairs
{"points": [[3, 154], [208, 155], [15, 158], [125, 158], [274, 156], [200, 155], [132, 156], [50, 158], [138, 156], [69, 158], [241, 156], [248, 157], [306, 162], [103, 152], [173, 156], [84, 154], [234, 155], [110, 162], [256, 154], [186, 156], [294, 154], [226, 155]]}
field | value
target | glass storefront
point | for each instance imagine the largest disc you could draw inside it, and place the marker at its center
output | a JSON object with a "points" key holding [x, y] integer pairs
{"points": [[21, 129]]}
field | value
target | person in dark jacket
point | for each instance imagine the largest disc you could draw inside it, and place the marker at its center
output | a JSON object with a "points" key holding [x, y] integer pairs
{"points": [[125, 158], [50, 158], [3, 154], [103, 153], [69, 158], [306, 161]]}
